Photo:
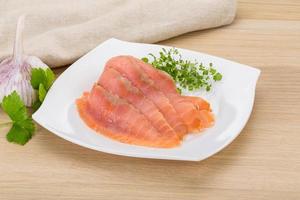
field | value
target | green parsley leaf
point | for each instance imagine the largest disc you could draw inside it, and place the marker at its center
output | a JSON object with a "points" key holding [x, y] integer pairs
{"points": [[27, 124], [42, 76], [146, 60], [41, 80], [35, 106], [22, 125], [14, 107], [212, 70], [218, 77], [38, 76], [18, 135], [42, 92], [50, 77]]}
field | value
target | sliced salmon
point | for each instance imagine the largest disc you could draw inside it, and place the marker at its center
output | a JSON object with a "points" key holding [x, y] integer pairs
{"points": [[113, 81], [115, 118], [198, 102], [167, 85], [129, 69], [188, 108]]}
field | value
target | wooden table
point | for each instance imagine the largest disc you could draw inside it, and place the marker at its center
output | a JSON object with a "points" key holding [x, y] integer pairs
{"points": [[262, 163]]}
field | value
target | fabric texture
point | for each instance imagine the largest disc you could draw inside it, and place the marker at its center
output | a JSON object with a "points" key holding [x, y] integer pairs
{"points": [[61, 31]]}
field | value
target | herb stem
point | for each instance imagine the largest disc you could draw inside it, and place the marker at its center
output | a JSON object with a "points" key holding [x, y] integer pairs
{"points": [[5, 124]]}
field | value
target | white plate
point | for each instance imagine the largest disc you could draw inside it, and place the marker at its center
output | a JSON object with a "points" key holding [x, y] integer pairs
{"points": [[231, 99]]}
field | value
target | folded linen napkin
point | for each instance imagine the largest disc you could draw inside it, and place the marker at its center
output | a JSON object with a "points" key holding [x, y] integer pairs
{"points": [[60, 31]]}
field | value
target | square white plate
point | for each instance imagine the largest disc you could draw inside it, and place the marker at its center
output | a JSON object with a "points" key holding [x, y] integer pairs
{"points": [[232, 101]]}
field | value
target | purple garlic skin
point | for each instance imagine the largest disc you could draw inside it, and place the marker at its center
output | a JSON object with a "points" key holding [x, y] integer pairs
{"points": [[15, 71], [16, 76]]}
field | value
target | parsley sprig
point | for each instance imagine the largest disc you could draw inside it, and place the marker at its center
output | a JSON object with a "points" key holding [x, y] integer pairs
{"points": [[22, 126], [41, 81], [189, 75]]}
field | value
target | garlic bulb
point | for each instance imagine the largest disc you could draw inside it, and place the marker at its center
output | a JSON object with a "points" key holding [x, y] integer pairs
{"points": [[15, 71]]}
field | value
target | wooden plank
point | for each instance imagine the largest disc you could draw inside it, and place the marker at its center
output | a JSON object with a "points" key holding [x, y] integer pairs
{"points": [[262, 163], [269, 9]]}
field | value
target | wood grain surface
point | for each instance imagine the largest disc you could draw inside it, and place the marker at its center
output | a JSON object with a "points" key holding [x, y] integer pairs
{"points": [[262, 163]]}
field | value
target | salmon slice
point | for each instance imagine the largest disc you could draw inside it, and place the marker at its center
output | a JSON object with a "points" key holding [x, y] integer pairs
{"points": [[188, 107], [115, 118], [198, 102], [113, 81], [207, 118], [129, 70], [167, 85]]}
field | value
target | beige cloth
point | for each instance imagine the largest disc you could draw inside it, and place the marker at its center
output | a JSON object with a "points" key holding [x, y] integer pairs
{"points": [[60, 31]]}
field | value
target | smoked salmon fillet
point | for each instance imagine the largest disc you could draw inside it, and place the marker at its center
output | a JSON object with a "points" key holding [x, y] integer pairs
{"points": [[133, 69], [115, 118], [198, 102], [134, 103], [113, 81], [128, 69]]}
